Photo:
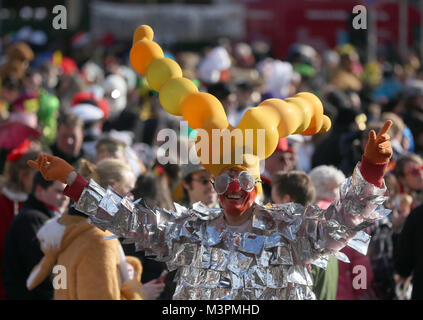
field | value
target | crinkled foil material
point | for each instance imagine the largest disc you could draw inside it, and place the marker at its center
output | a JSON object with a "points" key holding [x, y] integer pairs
{"points": [[267, 262], [90, 198], [321, 262], [110, 202], [360, 242]]}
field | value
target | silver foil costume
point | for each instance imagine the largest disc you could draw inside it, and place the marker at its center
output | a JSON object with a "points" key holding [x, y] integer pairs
{"points": [[271, 261]]}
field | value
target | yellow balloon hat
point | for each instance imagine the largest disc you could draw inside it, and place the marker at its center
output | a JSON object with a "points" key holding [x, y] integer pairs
{"points": [[258, 132]]}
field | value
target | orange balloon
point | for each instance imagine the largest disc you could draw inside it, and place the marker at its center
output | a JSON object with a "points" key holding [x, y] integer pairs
{"points": [[200, 107], [317, 113], [142, 53], [305, 111], [174, 92], [142, 32], [161, 70], [260, 118], [326, 124], [289, 116]]}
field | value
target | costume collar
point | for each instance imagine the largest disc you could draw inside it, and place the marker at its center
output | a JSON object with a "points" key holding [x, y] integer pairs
{"points": [[14, 196]]}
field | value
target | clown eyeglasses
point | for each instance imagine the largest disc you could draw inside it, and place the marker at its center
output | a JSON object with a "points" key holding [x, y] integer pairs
{"points": [[245, 180]]}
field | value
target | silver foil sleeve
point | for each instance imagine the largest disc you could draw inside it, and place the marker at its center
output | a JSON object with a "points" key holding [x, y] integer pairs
{"points": [[313, 233], [360, 205]]}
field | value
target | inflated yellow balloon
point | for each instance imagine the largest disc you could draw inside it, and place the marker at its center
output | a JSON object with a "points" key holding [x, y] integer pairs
{"points": [[142, 32], [306, 112], [200, 107], [326, 124], [161, 70], [317, 113], [174, 92], [142, 53], [254, 119], [289, 116]]}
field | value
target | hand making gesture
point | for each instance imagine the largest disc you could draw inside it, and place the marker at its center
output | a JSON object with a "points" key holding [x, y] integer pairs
{"points": [[378, 149], [51, 167]]}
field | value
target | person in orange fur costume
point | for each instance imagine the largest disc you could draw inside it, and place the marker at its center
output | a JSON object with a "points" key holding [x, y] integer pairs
{"points": [[94, 268]]}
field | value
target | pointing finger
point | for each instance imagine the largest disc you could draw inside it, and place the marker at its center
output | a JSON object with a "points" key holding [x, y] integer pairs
{"points": [[385, 128]]}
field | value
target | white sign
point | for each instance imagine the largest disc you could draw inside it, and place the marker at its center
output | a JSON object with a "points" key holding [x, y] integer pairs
{"points": [[170, 22]]}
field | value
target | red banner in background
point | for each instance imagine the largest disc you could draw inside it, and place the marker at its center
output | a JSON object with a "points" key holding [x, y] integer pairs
{"points": [[318, 23]]}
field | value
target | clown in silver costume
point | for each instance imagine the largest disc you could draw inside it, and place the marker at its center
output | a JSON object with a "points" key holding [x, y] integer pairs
{"points": [[267, 258], [244, 250]]}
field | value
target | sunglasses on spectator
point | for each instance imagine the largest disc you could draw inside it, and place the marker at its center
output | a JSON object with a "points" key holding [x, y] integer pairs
{"points": [[415, 171]]}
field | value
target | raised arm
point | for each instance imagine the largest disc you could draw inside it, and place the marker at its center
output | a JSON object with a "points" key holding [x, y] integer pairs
{"points": [[152, 229], [360, 204]]}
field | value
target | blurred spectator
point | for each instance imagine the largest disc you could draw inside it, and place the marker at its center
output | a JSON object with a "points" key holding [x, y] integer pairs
{"points": [[381, 245], [70, 135], [278, 77], [196, 181], [408, 252], [15, 187], [293, 186], [10, 89], [245, 98], [110, 148], [115, 92], [345, 76], [283, 159], [215, 66], [409, 173], [358, 268], [22, 248], [18, 57], [396, 133], [390, 86], [50, 76], [93, 118], [326, 181], [329, 151], [69, 85]]}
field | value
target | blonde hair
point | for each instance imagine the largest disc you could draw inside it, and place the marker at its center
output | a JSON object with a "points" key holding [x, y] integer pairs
{"points": [[397, 123], [107, 172]]}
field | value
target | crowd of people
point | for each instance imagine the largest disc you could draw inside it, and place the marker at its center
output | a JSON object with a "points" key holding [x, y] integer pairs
{"points": [[87, 106]]}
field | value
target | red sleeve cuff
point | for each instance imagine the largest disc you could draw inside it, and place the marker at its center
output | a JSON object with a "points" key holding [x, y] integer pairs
{"points": [[74, 191], [372, 172]]}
